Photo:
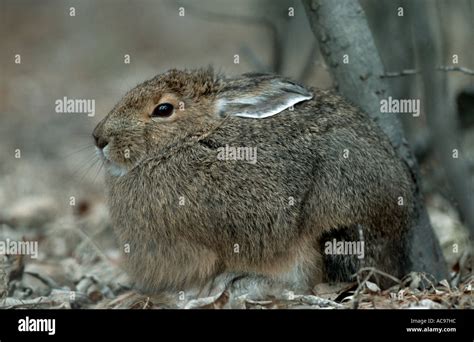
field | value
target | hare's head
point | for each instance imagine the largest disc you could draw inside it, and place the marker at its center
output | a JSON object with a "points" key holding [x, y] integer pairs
{"points": [[181, 104]]}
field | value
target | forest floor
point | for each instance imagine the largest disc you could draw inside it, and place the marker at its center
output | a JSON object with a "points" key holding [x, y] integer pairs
{"points": [[78, 266]]}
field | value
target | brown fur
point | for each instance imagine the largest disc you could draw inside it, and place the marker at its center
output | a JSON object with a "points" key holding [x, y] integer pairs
{"points": [[300, 156]]}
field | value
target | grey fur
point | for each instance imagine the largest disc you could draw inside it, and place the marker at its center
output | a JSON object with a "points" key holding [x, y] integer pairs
{"points": [[301, 192]]}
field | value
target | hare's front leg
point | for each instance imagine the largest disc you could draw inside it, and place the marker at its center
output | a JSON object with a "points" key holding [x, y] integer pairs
{"points": [[158, 266]]}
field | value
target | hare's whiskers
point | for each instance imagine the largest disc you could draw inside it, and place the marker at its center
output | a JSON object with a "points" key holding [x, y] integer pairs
{"points": [[85, 167], [80, 149], [98, 171], [89, 168]]}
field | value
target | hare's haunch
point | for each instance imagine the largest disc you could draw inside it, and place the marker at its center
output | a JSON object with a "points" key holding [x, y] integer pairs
{"points": [[250, 177]]}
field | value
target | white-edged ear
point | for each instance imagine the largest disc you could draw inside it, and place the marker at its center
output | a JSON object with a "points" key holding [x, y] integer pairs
{"points": [[259, 96]]}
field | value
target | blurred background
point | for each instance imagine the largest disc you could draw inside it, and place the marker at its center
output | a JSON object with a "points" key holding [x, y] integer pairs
{"points": [[54, 191]]}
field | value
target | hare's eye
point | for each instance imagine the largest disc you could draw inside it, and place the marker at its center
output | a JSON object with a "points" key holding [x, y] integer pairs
{"points": [[162, 110]]}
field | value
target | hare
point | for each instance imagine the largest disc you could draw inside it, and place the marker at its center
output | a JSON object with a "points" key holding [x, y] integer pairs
{"points": [[190, 208]]}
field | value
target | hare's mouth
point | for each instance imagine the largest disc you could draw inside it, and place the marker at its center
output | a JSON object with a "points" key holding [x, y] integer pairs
{"points": [[111, 167]]}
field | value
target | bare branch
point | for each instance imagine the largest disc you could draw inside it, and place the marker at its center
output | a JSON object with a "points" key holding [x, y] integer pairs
{"points": [[407, 72], [455, 68], [410, 72], [357, 292], [373, 270]]}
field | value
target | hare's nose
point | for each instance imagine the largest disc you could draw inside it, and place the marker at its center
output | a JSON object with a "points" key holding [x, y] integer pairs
{"points": [[100, 142]]}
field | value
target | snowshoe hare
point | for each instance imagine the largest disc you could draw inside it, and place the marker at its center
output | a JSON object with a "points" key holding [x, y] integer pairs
{"points": [[253, 177]]}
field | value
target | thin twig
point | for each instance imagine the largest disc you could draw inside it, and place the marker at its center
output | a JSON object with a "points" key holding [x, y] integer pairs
{"points": [[424, 276], [44, 279], [372, 271], [410, 72], [407, 72], [456, 68], [360, 287], [145, 306], [382, 273]]}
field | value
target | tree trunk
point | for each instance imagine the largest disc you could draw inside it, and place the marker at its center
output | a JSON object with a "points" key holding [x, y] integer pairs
{"points": [[342, 31]]}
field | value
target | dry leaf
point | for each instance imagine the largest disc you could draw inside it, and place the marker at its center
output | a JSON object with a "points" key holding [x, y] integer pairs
{"points": [[372, 287]]}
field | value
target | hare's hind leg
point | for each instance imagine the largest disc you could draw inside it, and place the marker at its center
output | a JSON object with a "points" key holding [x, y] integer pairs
{"points": [[347, 250], [300, 278]]}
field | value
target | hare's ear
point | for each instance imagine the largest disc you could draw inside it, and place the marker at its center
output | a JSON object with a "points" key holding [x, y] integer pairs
{"points": [[259, 96]]}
